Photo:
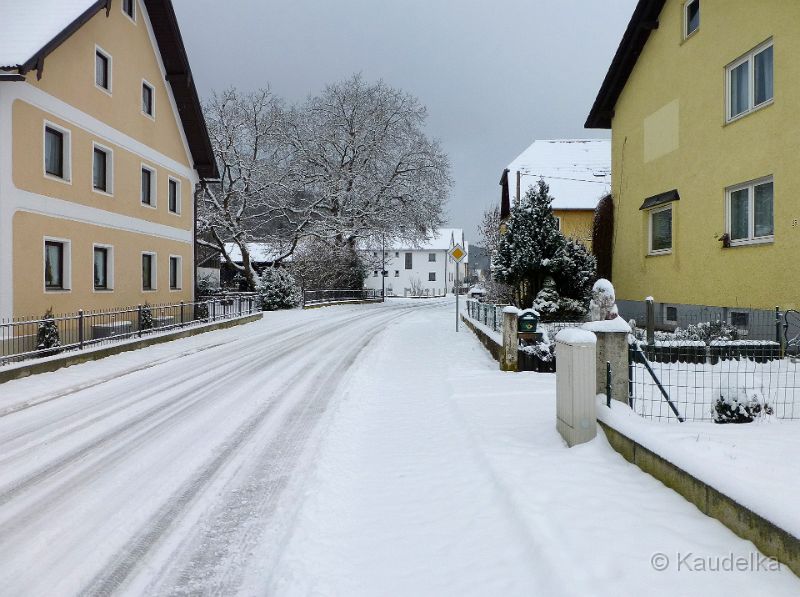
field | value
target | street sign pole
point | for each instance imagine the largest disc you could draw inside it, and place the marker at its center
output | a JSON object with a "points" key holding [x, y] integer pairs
{"points": [[457, 254]]}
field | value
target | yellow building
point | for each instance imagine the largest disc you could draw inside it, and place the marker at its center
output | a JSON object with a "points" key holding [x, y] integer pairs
{"points": [[102, 141], [705, 142], [578, 172]]}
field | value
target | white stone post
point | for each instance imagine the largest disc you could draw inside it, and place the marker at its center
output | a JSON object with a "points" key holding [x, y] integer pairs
{"points": [[508, 358], [576, 412]]}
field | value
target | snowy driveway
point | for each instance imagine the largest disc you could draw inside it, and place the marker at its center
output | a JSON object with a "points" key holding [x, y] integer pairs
{"points": [[362, 450]]}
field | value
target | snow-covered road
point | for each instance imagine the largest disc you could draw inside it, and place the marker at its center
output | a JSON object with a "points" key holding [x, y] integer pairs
{"points": [[353, 450]]}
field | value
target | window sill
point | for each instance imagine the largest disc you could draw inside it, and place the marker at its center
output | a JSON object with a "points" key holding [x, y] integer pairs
{"points": [[659, 253], [58, 179], [150, 206], [103, 290], [58, 290], [101, 192], [766, 240], [758, 108]]}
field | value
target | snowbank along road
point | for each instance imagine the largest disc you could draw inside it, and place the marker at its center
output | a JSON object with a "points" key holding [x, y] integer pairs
{"points": [[352, 450]]}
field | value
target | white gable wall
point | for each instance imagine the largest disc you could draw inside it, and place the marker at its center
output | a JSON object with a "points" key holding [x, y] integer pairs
{"points": [[398, 279]]}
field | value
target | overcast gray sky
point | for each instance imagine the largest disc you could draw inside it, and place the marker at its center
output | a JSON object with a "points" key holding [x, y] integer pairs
{"points": [[494, 74]]}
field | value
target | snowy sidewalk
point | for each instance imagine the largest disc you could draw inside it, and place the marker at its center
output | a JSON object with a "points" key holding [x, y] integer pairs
{"points": [[439, 475]]}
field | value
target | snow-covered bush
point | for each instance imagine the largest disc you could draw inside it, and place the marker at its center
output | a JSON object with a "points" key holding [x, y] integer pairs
{"points": [[708, 332], [206, 285], [47, 336], [603, 304], [146, 319], [277, 289], [740, 407], [544, 350], [554, 307]]}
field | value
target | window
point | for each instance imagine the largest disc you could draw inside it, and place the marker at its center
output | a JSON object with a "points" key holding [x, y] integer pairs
{"points": [[174, 196], [691, 17], [55, 265], [129, 8], [397, 254], [397, 273], [102, 268], [408, 260], [148, 100], [174, 273], [431, 276], [740, 320], [375, 274], [148, 186], [148, 271], [55, 152], [102, 70], [671, 314], [102, 169], [431, 257], [750, 212], [661, 231], [750, 82]]}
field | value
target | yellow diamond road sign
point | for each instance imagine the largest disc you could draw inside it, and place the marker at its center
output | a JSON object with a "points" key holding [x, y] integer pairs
{"points": [[457, 253]]}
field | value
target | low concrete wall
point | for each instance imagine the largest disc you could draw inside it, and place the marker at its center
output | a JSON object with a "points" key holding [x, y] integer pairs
{"points": [[77, 357], [770, 539], [331, 304], [495, 349]]}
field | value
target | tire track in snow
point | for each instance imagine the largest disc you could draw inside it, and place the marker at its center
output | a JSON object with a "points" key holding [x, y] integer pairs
{"points": [[296, 427]]}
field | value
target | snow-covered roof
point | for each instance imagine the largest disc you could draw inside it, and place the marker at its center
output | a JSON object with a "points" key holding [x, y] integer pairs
{"points": [[259, 252], [30, 25], [578, 171], [441, 240]]}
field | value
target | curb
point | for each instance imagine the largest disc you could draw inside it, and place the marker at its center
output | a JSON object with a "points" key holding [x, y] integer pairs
{"points": [[493, 347], [769, 538], [27, 368]]}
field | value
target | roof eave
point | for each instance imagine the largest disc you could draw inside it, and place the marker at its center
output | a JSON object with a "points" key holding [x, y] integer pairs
{"points": [[643, 21]]}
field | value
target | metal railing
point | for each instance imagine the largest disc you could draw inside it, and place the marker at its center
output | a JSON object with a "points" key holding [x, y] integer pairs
{"points": [[323, 297], [27, 338], [489, 314]]}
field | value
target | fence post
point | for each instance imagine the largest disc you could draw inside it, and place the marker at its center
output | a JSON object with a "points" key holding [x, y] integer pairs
{"points": [[139, 320], [651, 321], [80, 327], [630, 375], [210, 306], [611, 349], [608, 384], [778, 334], [508, 356], [182, 318]]}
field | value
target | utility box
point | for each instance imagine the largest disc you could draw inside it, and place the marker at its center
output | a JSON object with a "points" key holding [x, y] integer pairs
{"points": [[576, 388]]}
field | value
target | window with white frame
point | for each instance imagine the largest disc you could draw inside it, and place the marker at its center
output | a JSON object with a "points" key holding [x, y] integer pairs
{"points": [[148, 100], [174, 195], [129, 8], [102, 69], [56, 152], [691, 17], [660, 230], [102, 169], [174, 272], [148, 191], [103, 267], [431, 257], [750, 212], [148, 271], [750, 81], [56, 264], [431, 276]]}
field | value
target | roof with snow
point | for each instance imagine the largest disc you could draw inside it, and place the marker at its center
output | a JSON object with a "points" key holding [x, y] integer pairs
{"points": [[32, 29], [259, 252], [578, 171]]}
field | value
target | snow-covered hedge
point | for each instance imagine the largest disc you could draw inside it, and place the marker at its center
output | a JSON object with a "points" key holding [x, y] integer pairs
{"points": [[277, 289]]}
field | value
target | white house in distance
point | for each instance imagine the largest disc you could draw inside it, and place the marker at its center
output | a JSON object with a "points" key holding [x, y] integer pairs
{"points": [[425, 269]]}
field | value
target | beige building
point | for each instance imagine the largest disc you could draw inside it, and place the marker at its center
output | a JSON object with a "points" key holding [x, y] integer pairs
{"points": [[102, 142]]}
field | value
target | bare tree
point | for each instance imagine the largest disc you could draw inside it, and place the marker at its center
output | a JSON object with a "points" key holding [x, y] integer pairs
{"points": [[366, 162], [489, 229], [256, 198]]}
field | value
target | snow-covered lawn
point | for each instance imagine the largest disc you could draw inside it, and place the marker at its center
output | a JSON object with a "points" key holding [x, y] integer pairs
{"points": [[352, 450]]}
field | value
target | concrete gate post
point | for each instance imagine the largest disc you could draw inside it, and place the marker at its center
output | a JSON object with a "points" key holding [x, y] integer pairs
{"points": [[508, 357], [612, 347]]}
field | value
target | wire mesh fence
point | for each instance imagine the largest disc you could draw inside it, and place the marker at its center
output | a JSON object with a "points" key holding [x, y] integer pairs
{"points": [[26, 338]]}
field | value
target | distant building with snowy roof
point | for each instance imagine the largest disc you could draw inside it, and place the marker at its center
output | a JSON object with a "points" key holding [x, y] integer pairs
{"points": [[423, 268], [578, 172]]}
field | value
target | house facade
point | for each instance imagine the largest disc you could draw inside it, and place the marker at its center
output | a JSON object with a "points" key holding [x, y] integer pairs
{"points": [[578, 172], [425, 269], [102, 143], [705, 142]]}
